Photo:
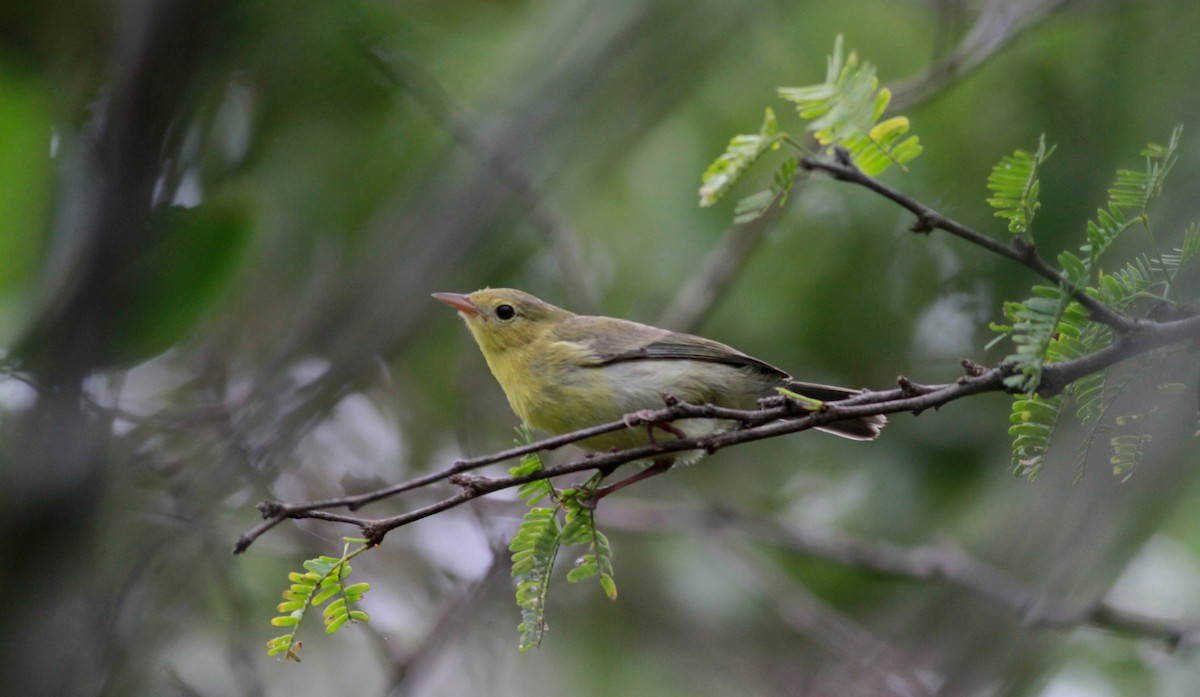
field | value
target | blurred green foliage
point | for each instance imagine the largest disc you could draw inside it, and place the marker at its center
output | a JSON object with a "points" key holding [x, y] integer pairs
{"points": [[254, 315]]}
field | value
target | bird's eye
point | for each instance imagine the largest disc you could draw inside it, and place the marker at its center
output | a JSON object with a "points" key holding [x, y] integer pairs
{"points": [[505, 312]]}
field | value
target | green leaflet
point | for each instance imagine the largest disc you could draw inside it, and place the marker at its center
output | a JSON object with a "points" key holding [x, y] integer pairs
{"points": [[324, 579], [844, 111], [1014, 186], [1051, 327], [1127, 453], [542, 533], [743, 150], [534, 548]]}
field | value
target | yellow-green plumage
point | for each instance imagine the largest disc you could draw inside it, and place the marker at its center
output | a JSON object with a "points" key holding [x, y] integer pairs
{"points": [[562, 372]]}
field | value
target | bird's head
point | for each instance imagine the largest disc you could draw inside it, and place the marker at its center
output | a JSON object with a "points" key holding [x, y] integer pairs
{"points": [[502, 319]]}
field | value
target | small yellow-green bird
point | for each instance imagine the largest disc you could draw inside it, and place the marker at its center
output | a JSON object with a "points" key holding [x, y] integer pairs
{"points": [[563, 372]]}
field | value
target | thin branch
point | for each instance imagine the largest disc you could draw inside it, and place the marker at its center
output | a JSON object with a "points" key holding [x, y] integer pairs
{"points": [[777, 417], [955, 568], [1020, 251]]}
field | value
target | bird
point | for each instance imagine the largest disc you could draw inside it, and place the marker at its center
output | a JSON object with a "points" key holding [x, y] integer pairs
{"points": [[563, 372]]}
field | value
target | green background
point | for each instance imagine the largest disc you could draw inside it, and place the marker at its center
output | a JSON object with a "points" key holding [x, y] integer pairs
{"points": [[272, 336]]}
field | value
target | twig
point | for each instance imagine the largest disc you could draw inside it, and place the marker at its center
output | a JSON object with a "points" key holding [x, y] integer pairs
{"points": [[1020, 251], [769, 422], [954, 567]]}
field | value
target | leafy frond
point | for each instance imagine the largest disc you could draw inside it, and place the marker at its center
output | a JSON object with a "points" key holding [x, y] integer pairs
{"points": [[1033, 423], [580, 529], [1136, 280], [1191, 244], [1109, 225], [1036, 321], [542, 533], [845, 110], [538, 489], [1184, 254], [1127, 453], [1133, 189], [753, 206], [743, 150], [534, 548], [323, 579], [1094, 399], [1051, 328], [1088, 392], [1033, 326], [1014, 186], [1132, 192]]}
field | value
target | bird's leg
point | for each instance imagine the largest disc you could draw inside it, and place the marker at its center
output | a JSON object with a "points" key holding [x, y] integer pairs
{"points": [[657, 468], [645, 416]]}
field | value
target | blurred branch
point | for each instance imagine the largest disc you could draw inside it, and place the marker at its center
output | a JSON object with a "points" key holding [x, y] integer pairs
{"points": [[717, 272], [85, 400], [451, 618], [777, 417], [999, 24], [880, 668], [56, 466], [940, 563], [575, 275]]}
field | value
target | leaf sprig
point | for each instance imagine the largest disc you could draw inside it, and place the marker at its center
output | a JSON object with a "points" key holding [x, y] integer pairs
{"points": [[743, 150], [323, 578], [541, 535], [1014, 186], [1053, 326], [845, 111]]}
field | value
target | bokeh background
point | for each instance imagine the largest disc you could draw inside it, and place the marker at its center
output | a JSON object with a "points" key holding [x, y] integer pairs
{"points": [[223, 220]]}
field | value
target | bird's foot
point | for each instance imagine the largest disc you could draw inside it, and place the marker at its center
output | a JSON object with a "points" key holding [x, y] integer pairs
{"points": [[646, 417], [652, 470], [639, 417]]}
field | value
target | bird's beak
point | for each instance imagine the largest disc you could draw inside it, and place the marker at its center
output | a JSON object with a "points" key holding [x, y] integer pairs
{"points": [[459, 302]]}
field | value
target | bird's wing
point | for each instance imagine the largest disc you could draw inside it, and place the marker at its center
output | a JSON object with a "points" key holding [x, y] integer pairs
{"points": [[677, 346], [601, 340], [608, 340]]}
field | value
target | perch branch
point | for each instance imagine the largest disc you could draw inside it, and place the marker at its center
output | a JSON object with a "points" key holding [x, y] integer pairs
{"points": [[777, 417]]}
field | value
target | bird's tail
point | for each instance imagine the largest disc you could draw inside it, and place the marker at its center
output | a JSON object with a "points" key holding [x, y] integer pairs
{"points": [[864, 428]]}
